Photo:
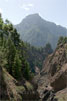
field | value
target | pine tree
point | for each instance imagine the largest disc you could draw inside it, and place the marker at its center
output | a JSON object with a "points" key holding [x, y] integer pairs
{"points": [[16, 69], [26, 71], [48, 48], [10, 55]]}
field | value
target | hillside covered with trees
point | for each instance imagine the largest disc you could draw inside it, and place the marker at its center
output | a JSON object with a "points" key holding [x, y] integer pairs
{"points": [[10, 53], [20, 58]]}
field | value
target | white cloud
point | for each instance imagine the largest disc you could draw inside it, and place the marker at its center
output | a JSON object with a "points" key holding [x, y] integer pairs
{"points": [[1, 10], [27, 7]]}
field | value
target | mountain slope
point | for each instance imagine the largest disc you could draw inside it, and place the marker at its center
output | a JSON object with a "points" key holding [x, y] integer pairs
{"points": [[12, 90], [8, 87], [38, 31], [52, 80]]}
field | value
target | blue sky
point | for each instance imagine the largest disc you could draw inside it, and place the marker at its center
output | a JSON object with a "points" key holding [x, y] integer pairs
{"points": [[51, 10]]}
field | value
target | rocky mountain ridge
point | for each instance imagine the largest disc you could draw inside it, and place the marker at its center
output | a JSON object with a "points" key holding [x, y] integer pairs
{"points": [[52, 80]]}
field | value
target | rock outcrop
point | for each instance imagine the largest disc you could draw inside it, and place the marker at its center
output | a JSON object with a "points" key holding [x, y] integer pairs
{"points": [[3, 88], [54, 74], [59, 80], [12, 90], [37, 70], [55, 61], [8, 87]]}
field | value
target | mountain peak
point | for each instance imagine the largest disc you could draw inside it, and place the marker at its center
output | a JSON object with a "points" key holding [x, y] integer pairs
{"points": [[36, 15], [38, 32], [32, 17]]}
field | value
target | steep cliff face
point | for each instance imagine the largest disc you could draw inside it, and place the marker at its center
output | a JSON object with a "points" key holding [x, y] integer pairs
{"points": [[59, 80], [8, 88], [12, 90], [53, 77], [3, 88], [55, 61]]}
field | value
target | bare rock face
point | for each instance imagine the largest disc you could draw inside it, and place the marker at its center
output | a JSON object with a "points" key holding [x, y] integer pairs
{"points": [[12, 90], [3, 88], [61, 95], [37, 70], [11, 87], [59, 81], [55, 61], [54, 73], [46, 65]]}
